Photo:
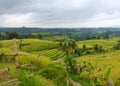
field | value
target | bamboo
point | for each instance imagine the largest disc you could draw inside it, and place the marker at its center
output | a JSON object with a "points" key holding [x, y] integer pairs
{"points": [[67, 80], [7, 82], [25, 65], [3, 58], [74, 83], [16, 54], [12, 81], [13, 54]]}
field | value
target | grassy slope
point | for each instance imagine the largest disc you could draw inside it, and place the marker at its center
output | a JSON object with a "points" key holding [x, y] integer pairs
{"points": [[105, 61], [35, 46], [32, 44], [111, 60], [42, 61], [106, 44]]}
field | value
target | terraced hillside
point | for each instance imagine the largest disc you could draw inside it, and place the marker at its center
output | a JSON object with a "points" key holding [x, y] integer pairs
{"points": [[105, 61], [35, 46], [105, 43], [50, 51]]}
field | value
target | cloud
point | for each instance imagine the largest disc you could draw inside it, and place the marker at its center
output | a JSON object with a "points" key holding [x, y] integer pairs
{"points": [[15, 19], [59, 13]]}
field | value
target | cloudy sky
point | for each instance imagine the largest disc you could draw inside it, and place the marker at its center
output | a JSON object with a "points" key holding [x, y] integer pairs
{"points": [[59, 13]]}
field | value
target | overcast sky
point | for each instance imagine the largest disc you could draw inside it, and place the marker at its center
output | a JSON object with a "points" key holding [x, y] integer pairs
{"points": [[59, 13]]}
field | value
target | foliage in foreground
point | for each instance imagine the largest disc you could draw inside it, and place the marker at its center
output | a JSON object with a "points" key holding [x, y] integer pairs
{"points": [[87, 72], [34, 80], [56, 73]]}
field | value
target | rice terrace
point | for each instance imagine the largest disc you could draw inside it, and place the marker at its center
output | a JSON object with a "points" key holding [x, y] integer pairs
{"points": [[59, 43], [45, 61]]}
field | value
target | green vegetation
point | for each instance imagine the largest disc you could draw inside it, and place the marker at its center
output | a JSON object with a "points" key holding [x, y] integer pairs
{"points": [[89, 62], [105, 61], [34, 80], [106, 44]]}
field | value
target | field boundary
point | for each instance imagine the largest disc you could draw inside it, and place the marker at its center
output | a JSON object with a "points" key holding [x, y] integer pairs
{"points": [[17, 65]]}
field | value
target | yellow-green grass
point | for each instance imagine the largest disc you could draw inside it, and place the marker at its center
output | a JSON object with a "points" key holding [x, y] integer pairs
{"points": [[108, 60], [105, 61], [55, 38], [31, 44], [105, 43], [45, 82], [34, 46], [42, 61], [52, 53], [13, 75], [37, 45], [6, 65], [6, 50], [10, 61]]}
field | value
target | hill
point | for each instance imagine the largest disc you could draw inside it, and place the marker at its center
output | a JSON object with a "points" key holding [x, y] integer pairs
{"points": [[47, 65], [105, 43], [105, 61]]}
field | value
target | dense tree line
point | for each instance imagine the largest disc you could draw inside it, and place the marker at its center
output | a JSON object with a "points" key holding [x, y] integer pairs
{"points": [[11, 35], [72, 33]]}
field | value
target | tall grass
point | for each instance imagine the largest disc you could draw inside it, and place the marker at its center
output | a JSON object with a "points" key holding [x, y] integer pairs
{"points": [[33, 80]]}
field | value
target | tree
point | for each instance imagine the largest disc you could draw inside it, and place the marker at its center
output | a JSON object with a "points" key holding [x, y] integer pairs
{"points": [[39, 36], [84, 46], [77, 52], [0, 35], [71, 64], [117, 47], [60, 44], [98, 37], [20, 45], [98, 49], [106, 37], [73, 45], [11, 35]]}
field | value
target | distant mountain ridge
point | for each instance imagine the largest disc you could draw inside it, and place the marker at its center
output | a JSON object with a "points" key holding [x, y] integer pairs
{"points": [[57, 30]]}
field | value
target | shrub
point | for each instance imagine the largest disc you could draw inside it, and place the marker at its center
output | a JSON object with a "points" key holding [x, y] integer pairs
{"points": [[55, 73]]}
